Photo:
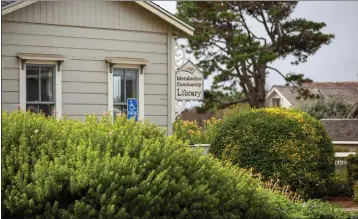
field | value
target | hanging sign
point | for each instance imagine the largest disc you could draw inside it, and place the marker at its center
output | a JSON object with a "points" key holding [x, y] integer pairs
{"points": [[132, 108], [189, 82]]}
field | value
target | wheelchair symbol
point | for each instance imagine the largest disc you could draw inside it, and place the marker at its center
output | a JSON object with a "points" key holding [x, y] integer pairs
{"points": [[131, 106]]}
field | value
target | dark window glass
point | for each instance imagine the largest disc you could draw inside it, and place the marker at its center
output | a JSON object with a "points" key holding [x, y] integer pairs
{"points": [[47, 84], [131, 82], [40, 89], [32, 83], [125, 85]]}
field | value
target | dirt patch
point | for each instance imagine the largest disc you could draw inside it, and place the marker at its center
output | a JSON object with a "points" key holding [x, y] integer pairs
{"points": [[344, 202]]}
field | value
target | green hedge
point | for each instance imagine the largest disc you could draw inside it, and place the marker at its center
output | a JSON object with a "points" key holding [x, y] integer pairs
{"points": [[279, 143], [355, 190], [352, 168], [99, 169]]}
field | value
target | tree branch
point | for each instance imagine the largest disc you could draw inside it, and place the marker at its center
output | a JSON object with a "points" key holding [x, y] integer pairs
{"points": [[230, 103], [266, 27], [276, 70], [249, 32]]}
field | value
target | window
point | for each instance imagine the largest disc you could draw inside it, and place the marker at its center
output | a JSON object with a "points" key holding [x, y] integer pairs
{"points": [[125, 85], [40, 88], [276, 102]]}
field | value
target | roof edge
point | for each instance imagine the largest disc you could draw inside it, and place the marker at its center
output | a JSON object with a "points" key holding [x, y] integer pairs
{"points": [[150, 6], [167, 16], [15, 6]]}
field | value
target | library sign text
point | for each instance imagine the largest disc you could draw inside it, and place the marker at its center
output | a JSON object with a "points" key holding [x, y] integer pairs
{"points": [[189, 83]]}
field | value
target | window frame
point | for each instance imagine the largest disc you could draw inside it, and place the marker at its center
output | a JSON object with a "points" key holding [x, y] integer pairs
{"points": [[140, 79], [274, 99], [57, 84], [125, 85]]}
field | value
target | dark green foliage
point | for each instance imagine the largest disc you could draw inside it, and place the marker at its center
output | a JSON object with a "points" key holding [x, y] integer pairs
{"points": [[355, 189], [332, 108], [279, 143], [69, 169], [228, 48], [339, 186], [352, 168]]}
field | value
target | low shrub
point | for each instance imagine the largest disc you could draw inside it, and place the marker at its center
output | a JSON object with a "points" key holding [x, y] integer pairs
{"points": [[339, 186], [355, 189], [190, 131], [279, 143], [352, 168], [340, 149], [99, 169]]}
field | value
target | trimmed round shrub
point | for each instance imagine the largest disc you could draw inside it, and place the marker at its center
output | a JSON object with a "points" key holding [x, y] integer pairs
{"points": [[279, 143], [99, 169]]}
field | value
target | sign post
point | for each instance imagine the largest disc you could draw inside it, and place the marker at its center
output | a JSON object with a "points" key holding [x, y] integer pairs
{"points": [[132, 108]]}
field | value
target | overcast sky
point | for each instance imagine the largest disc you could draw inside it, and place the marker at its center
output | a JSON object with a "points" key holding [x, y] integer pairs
{"points": [[337, 61]]}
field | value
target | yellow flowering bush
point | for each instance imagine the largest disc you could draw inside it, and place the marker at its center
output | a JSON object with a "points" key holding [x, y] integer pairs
{"points": [[192, 132], [279, 143]]}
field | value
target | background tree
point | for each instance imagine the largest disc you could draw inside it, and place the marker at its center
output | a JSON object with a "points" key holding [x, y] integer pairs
{"points": [[226, 46], [332, 108]]}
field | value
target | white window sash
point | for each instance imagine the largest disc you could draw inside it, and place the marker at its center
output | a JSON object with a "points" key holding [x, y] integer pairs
{"points": [[58, 85]]}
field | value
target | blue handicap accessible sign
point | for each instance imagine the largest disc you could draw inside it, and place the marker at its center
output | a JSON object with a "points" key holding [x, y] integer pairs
{"points": [[132, 108]]}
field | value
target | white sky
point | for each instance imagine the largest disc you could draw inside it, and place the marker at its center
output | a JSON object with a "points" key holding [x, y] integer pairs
{"points": [[337, 61]]}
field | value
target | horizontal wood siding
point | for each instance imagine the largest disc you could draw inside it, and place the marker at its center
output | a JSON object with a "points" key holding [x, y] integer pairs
{"points": [[86, 32], [90, 13]]}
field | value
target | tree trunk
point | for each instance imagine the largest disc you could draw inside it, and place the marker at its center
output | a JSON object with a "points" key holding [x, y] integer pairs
{"points": [[258, 96]]}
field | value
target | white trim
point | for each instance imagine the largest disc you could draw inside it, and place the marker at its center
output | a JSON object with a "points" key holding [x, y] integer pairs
{"points": [[140, 87], [168, 17], [15, 6], [169, 81], [58, 79], [278, 92], [126, 61], [172, 75], [345, 142], [22, 86], [344, 154], [150, 6], [110, 88], [58, 92]]}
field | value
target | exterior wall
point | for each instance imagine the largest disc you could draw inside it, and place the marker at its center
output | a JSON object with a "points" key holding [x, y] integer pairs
{"points": [[284, 103], [86, 32]]}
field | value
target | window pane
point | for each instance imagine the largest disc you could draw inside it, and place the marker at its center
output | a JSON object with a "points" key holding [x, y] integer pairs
{"points": [[46, 83], [131, 84], [32, 83], [118, 86], [46, 109], [32, 108]]}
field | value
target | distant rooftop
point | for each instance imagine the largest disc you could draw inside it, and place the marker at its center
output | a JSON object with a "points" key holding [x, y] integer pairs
{"points": [[348, 91], [341, 129]]}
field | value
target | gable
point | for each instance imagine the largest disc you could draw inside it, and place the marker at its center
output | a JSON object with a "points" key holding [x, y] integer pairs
{"points": [[138, 16]]}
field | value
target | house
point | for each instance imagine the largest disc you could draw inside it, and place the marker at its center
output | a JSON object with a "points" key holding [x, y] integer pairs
{"points": [[286, 96], [83, 57], [343, 132]]}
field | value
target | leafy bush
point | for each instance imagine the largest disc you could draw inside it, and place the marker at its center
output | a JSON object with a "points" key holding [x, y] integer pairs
{"points": [[355, 189], [339, 186], [99, 169], [340, 149], [330, 108], [352, 168], [190, 131], [279, 143]]}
